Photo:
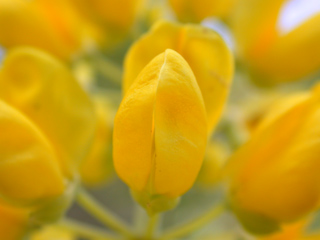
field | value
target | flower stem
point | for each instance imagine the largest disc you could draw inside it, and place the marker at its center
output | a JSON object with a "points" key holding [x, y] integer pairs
{"points": [[151, 226], [103, 214], [139, 220], [194, 225], [86, 231]]}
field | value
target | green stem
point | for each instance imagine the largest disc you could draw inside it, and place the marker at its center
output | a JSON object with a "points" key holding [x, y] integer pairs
{"points": [[103, 214], [140, 218], [151, 226], [194, 225], [86, 231]]}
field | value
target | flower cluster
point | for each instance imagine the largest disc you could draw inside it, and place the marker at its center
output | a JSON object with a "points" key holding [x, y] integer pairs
{"points": [[205, 112]]}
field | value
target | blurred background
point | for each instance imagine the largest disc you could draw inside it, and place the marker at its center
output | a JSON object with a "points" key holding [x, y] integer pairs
{"points": [[276, 47]]}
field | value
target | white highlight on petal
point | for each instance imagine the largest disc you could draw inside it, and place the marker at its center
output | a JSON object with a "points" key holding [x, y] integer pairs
{"points": [[218, 26], [295, 12]]}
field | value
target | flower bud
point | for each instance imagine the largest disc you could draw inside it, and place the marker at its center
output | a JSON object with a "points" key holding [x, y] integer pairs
{"points": [[273, 177], [203, 49], [45, 92], [196, 11], [46, 124], [52, 26], [13, 222], [25, 151], [160, 132], [119, 15], [273, 50]]}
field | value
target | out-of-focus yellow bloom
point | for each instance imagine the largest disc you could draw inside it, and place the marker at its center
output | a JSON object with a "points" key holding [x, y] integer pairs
{"points": [[47, 123], [203, 49], [118, 15], [26, 157], [46, 93], [273, 53], [196, 11], [160, 132], [215, 157], [52, 233], [53, 26], [97, 167], [273, 177], [13, 222]]}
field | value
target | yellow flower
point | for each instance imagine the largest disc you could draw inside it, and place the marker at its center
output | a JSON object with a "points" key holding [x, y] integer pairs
{"points": [[46, 124], [13, 222], [203, 49], [53, 26], [196, 11], [119, 15], [97, 166], [274, 177], [160, 132], [110, 21], [26, 157], [273, 52]]}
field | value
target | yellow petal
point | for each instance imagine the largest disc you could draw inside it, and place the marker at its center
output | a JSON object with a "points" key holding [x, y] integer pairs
{"points": [[119, 15], [203, 49], [273, 53], [275, 173], [160, 129], [13, 222], [40, 24], [46, 92], [196, 11], [29, 169]]}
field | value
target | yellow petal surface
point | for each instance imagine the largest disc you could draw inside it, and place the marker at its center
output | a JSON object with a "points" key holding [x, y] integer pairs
{"points": [[29, 169], [203, 49], [276, 54], [46, 92], [196, 11], [274, 174], [41, 24], [160, 129], [13, 222], [120, 14]]}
